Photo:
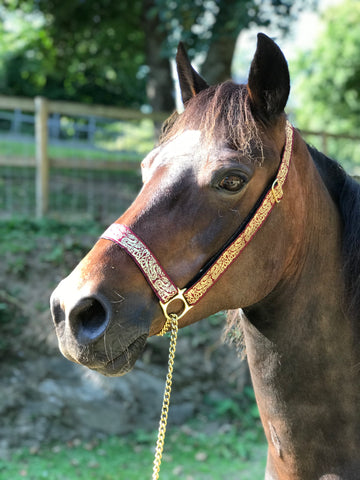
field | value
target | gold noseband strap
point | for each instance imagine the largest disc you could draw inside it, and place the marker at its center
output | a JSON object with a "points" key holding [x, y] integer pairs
{"points": [[156, 276], [144, 258]]}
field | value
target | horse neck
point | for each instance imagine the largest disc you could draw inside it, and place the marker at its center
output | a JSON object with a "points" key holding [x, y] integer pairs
{"points": [[300, 347]]}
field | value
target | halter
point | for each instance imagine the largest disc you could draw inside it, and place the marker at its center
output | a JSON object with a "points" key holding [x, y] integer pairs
{"points": [[166, 291]]}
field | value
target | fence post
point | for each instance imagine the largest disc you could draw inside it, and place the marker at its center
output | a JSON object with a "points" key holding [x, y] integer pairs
{"points": [[42, 160]]}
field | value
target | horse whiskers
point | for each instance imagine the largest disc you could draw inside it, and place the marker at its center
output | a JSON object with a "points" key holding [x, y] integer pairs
{"points": [[122, 299], [107, 349], [84, 352], [235, 211]]}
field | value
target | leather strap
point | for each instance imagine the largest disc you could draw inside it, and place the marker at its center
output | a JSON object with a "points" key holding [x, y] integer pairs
{"points": [[144, 258]]}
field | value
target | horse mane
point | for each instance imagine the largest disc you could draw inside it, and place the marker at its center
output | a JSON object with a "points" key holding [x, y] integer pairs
{"points": [[221, 111], [345, 191]]}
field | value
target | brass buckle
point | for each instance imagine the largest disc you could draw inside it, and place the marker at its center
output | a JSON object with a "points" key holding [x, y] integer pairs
{"points": [[178, 296], [277, 196]]}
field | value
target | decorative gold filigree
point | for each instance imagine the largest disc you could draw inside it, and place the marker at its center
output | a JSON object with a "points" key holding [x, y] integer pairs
{"points": [[125, 237]]}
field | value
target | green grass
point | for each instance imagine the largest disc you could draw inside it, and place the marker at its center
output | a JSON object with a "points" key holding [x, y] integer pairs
{"points": [[15, 231], [10, 147], [73, 193], [52, 240], [189, 454], [120, 141]]}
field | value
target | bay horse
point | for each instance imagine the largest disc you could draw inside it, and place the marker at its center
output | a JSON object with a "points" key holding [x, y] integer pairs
{"points": [[241, 214]]}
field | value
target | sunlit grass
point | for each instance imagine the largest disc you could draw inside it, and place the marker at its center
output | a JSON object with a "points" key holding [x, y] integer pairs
{"points": [[128, 141], [226, 454]]}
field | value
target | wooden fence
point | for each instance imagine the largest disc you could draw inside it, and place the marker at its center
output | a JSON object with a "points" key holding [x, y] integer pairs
{"points": [[42, 108]]}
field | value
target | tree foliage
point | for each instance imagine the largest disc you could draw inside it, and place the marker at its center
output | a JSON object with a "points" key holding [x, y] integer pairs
{"points": [[106, 51], [329, 86], [87, 50], [210, 27]]}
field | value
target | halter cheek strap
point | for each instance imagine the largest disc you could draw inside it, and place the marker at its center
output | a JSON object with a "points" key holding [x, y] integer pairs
{"points": [[164, 288]]}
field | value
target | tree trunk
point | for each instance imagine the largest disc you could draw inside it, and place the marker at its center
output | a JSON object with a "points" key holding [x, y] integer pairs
{"points": [[217, 65], [229, 21], [159, 86]]}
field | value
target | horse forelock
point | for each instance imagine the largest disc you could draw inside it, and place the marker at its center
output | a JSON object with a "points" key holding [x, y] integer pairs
{"points": [[223, 114]]}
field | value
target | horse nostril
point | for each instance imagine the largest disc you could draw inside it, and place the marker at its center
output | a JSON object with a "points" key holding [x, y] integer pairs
{"points": [[57, 312], [89, 319]]}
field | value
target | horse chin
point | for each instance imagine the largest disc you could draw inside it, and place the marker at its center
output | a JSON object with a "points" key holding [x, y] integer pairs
{"points": [[121, 364], [118, 364]]}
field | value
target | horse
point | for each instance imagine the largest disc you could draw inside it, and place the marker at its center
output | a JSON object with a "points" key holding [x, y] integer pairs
{"points": [[237, 212]]}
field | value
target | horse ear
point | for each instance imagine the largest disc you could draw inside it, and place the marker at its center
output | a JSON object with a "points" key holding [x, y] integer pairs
{"points": [[191, 83], [269, 79]]}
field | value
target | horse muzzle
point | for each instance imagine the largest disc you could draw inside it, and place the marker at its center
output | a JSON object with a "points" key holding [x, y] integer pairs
{"points": [[87, 327]]}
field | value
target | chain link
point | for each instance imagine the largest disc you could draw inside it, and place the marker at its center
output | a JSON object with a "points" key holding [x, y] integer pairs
{"points": [[173, 322]]}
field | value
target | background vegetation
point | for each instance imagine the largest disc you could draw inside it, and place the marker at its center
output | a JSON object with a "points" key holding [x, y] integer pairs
{"points": [[328, 76], [190, 454], [117, 53], [223, 429]]}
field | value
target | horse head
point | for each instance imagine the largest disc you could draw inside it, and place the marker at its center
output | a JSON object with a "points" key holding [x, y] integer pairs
{"points": [[209, 170]]}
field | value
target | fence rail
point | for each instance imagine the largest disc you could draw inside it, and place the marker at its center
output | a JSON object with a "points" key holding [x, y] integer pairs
{"points": [[46, 116], [78, 109], [42, 108]]}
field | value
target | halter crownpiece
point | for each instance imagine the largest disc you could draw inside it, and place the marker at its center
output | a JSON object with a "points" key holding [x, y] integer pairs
{"points": [[164, 288]]}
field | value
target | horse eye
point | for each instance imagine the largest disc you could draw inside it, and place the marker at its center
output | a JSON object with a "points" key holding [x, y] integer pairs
{"points": [[232, 183]]}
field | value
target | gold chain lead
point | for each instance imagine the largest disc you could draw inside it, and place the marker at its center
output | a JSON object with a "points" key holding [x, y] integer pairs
{"points": [[173, 322]]}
